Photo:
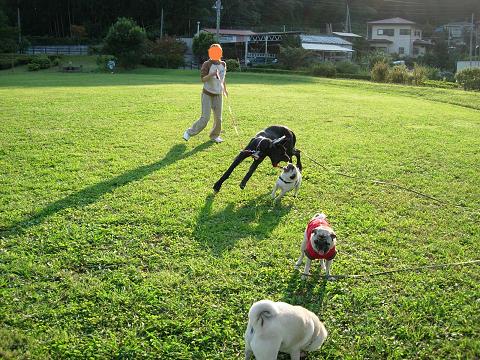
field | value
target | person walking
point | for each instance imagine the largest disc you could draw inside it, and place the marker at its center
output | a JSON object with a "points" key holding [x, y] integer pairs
{"points": [[212, 74]]}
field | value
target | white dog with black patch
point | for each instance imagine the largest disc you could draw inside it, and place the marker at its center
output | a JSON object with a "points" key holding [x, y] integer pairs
{"points": [[275, 327], [319, 242], [289, 179]]}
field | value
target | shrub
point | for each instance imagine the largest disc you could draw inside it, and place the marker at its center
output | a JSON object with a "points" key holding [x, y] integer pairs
{"points": [[326, 69], [469, 79], [33, 67], [447, 76], [441, 84], [165, 53], [433, 73], [359, 76], [276, 71], [419, 74], [398, 74], [378, 57], [126, 41], [6, 63], [380, 72], [347, 67], [102, 61], [293, 57], [42, 61], [233, 65]]}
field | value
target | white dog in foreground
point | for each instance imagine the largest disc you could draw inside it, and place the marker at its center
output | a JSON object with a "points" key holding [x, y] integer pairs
{"points": [[289, 179], [275, 327]]}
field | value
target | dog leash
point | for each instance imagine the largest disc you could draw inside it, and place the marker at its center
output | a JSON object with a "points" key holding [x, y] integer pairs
{"points": [[391, 184], [234, 123], [387, 272]]}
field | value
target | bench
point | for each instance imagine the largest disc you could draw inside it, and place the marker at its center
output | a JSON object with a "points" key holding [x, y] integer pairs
{"points": [[71, 68]]}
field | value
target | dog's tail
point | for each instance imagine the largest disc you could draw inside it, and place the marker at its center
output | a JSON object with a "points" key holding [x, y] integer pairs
{"points": [[320, 215], [262, 311]]}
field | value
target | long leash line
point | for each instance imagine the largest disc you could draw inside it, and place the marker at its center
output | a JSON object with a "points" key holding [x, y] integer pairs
{"points": [[388, 183], [410, 269]]}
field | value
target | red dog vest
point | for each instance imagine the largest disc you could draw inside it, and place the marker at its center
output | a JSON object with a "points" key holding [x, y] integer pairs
{"points": [[309, 250]]}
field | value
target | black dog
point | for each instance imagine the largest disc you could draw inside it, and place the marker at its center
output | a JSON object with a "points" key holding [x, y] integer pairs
{"points": [[276, 142]]}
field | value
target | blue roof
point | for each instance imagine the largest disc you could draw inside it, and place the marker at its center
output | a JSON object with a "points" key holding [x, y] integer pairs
{"points": [[324, 39]]}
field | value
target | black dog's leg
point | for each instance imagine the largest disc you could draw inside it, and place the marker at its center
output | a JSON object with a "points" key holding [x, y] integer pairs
{"points": [[296, 152], [250, 172], [240, 157]]}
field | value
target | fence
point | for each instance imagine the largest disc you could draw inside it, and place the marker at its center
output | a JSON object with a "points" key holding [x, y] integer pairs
{"points": [[466, 64], [58, 50]]}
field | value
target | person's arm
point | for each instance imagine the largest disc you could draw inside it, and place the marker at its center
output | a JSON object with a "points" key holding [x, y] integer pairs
{"points": [[204, 75], [225, 91]]}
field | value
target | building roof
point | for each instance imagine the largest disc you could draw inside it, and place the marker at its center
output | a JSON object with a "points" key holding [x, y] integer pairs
{"points": [[324, 39], [345, 34], [392, 21], [458, 23], [231, 32], [325, 47]]}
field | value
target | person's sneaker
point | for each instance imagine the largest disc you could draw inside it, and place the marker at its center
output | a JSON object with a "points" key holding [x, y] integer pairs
{"points": [[186, 136], [218, 140]]}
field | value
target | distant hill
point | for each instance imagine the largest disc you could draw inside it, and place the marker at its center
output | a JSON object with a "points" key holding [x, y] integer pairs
{"points": [[54, 18]]}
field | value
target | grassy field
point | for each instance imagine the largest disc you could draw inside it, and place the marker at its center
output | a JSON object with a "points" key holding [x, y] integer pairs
{"points": [[112, 244]]}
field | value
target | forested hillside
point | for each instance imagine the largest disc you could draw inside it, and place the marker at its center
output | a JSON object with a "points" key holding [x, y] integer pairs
{"points": [[54, 18]]}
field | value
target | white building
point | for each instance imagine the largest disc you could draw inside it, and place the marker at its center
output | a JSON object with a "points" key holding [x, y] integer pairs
{"points": [[397, 36]]}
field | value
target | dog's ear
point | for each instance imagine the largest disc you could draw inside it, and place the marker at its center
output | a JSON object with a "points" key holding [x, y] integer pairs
{"points": [[279, 140], [333, 236]]}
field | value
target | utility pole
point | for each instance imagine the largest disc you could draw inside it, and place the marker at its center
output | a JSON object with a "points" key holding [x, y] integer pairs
{"points": [[19, 25], [348, 22], [161, 25], [471, 41], [198, 28], [218, 7]]}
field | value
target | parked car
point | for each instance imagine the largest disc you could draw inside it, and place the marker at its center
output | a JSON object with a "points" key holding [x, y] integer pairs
{"points": [[260, 60]]}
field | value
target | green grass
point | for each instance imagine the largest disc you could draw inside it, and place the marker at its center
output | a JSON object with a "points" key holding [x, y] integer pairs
{"points": [[112, 245]]}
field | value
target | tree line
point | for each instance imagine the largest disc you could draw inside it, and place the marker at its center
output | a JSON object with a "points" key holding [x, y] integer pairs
{"points": [[92, 18]]}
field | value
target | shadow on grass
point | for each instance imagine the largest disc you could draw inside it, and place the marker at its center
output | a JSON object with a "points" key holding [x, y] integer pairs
{"points": [[92, 193], [309, 293], [219, 231]]}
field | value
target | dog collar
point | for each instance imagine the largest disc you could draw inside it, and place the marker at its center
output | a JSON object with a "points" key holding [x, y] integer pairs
{"points": [[286, 182]]}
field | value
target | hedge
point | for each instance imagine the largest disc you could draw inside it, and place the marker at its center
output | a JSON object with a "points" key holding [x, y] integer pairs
{"points": [[440, 84]]}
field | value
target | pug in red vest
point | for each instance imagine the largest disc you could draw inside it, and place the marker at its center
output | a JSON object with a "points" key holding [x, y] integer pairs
{"points": [[319, 242]]}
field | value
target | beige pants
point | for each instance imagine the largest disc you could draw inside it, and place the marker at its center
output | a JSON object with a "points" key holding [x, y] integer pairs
{"points": [[209, 103]]}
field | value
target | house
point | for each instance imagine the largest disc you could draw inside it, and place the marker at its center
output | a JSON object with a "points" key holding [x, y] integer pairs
{"points": [[328, 47], [397, 36]]}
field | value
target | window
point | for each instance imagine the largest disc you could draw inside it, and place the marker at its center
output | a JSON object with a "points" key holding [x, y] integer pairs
{"points": [[386, 32], [404, 31], [418, 33], [401, 50]]}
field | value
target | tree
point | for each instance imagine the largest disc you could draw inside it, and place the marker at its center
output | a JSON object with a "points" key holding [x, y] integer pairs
{"points": [[7, 35], [293, 57], [292, 41], [126, 40], [201, 43]]}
